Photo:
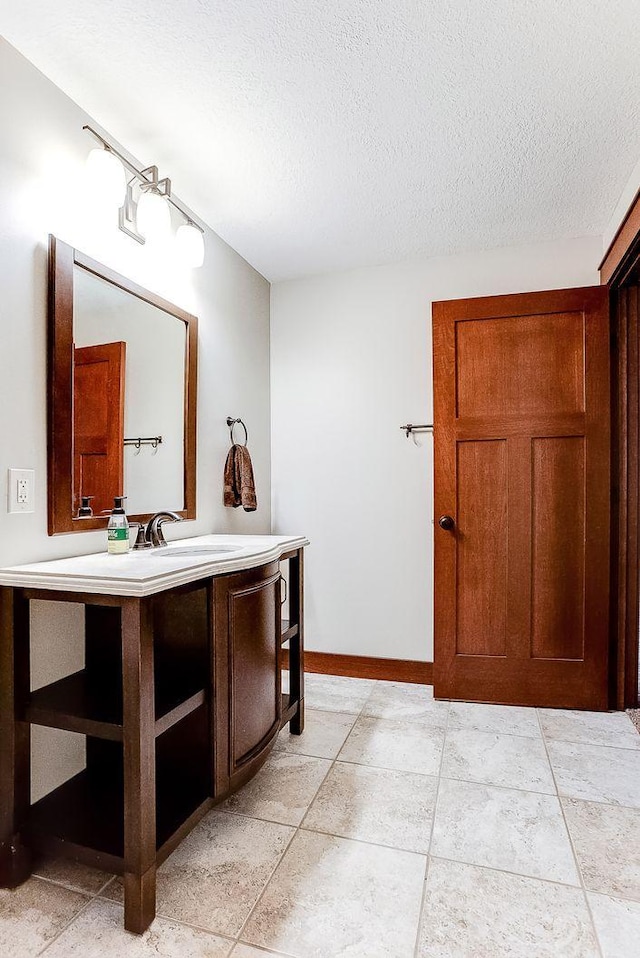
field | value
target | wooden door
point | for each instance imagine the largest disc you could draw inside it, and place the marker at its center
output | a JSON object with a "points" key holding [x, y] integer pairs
{"points": [[522, 470], [98, 424]]}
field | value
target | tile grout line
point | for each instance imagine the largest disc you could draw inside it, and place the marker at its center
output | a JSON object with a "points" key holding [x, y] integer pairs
{"points": [[505, 871], [470, 781], [322, 831], [80, 911], [159, 916], [421, 912], [571, 844], [536, 738], [299, 826], [75, 888], [260, 948], [617, 748]]}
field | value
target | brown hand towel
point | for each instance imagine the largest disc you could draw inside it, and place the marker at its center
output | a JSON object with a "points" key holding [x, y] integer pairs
{"points": [[239, 485]]}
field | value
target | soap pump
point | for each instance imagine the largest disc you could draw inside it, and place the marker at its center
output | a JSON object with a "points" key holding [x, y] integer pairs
{"points": [[85, 509], [118, 528]]}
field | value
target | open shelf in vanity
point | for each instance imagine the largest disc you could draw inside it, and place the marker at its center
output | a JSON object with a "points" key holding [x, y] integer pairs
{"points": [[180, 701], [291, 630], [84, 817], [75, 704], [91, 701]]}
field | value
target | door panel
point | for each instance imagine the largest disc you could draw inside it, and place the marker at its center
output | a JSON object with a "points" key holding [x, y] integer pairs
{"points": [[482, 567], [98, 424], [558, 559], [498, 373], [521, 415]]}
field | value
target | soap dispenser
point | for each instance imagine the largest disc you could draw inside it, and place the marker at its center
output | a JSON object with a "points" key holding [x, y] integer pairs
{"points": [[85, 510], [118, 528]]}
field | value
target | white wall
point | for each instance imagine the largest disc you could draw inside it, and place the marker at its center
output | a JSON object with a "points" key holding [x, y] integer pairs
{"points": [[41, 175], [622, 206], [351, 361]]}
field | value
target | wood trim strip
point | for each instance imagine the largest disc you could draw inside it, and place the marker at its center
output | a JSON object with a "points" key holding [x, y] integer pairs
{"points": [[626, 505], [630, 688], [15, 738], [619, 246], [366, 667]]}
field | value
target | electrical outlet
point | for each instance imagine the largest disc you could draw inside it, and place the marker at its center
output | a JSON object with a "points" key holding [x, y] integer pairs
{"points": [[20, 490]]}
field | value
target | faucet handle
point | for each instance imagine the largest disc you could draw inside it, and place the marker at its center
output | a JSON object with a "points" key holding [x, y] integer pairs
{"points": [[141, 537]]}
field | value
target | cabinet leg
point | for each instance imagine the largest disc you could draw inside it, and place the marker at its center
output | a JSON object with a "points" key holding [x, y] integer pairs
{"points": [[139, 900], [15, 737], [139, 765], [296, 725], [296, 650], [15, 863]]}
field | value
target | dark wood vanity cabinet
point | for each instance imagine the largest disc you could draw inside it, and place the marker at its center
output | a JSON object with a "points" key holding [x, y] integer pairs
{"points": [[180, 700]]}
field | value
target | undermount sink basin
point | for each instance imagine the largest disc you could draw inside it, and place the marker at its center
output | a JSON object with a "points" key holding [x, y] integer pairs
{"points": [[204, 550]]}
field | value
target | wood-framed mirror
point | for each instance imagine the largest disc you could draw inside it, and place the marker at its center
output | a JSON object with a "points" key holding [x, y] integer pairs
{"points": [[122, 390]]}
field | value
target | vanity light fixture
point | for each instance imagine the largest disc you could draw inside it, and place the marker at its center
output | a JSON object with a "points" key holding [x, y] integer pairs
{"points": [[106, 173], [190, 244], [144, 201]]}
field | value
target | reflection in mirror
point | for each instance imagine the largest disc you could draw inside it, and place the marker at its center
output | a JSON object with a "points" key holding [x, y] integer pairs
{"points": [[122, 387], [128, 429]]}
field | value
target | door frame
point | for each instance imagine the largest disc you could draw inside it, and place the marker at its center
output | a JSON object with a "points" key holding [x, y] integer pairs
{"points": [[620, 268]]}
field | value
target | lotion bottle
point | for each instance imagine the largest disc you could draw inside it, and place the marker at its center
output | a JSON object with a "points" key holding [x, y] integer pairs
{"points": [[118, 529]]}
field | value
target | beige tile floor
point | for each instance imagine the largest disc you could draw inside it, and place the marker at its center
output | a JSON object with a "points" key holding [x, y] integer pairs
{"points": [[395, 827]]}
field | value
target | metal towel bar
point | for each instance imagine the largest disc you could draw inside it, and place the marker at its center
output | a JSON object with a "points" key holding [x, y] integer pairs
{"points": [[410, 428], [154, 441]]}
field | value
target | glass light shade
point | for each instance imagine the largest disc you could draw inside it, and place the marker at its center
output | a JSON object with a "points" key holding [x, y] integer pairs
{"points": [[106, 176], [190, 245], [153, 217]]}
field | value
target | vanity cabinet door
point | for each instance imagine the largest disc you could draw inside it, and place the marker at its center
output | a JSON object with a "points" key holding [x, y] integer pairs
{"points": [[246, 673]]}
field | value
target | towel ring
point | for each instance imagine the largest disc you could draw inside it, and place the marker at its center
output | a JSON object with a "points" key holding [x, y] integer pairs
{"points": [[234, 422]]}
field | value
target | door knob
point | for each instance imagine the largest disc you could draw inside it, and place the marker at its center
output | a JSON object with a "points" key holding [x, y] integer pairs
{"points": [[446, 522]]}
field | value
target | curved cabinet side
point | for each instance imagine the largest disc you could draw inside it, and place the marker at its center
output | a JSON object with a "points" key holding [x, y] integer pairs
{"points": [[247, 701]]}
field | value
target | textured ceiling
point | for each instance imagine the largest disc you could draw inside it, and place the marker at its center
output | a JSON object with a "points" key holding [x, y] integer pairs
{"points": [[315, 135]]}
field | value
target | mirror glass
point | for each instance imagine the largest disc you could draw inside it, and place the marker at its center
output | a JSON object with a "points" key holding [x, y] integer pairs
{"points": [[128, 399], [122, 389]]}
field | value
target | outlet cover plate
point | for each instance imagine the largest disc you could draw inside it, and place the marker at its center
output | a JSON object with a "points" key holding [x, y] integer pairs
{"points": [[20, 488]]}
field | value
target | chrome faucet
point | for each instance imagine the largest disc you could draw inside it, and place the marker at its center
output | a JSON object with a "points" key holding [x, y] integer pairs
{"points": [[151, 536]]}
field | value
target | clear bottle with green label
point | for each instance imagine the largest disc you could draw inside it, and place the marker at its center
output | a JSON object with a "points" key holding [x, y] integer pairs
{"points": [[118, 529]]}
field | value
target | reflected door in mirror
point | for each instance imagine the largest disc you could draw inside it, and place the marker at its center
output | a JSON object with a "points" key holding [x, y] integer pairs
{"points": [[98, 424]]}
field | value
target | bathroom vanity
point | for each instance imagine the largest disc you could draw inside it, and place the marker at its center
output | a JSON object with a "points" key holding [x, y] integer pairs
{"points": [[180, 699]]}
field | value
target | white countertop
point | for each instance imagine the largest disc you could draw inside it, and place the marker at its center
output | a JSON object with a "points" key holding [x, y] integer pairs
{"points": [[150, 571]]}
